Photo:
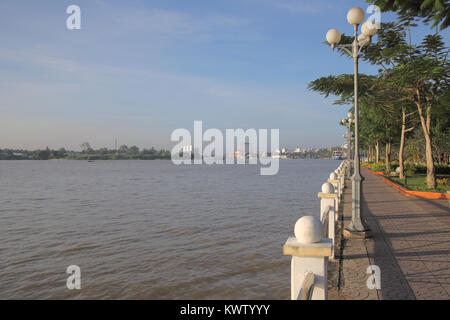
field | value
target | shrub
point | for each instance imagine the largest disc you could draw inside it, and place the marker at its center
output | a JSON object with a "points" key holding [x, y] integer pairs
{"points": [[442, 168], [394, 165], [409, 168], [420, 168], [378, 167]]}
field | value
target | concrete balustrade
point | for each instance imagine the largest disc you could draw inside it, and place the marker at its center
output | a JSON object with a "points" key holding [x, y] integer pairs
{"points": [[314, 241], [310, 252], [336, 186], [338, 177], [345, 168], [328, 213], [337, 182], [341, 177]]}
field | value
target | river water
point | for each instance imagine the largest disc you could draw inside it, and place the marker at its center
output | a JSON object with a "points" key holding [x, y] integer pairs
{"points": [[150, 229]]}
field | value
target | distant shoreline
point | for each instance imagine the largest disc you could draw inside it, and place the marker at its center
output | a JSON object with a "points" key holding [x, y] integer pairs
{"points": [[77, 159], [132, 153], [141, 159]]}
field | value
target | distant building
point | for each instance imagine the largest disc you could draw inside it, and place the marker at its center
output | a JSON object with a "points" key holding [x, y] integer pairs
{"points": [[18, 154], [187, 148]]}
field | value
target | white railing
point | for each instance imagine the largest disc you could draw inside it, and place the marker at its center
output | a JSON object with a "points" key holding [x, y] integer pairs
{"points": [[328, 221], [314, 241]]}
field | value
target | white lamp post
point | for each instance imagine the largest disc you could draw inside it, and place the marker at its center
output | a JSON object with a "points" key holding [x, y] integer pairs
{"points": [[355, 17]]}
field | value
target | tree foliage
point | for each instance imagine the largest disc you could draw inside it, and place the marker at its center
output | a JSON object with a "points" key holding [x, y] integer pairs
{"points": [[435, 11], [410, 91]]}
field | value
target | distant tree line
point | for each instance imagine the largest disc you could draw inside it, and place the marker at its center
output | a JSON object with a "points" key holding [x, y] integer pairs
{"points": [[324, 153], [87, 153]]}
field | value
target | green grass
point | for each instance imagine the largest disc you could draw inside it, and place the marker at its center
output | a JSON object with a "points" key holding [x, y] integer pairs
{"points": [[418, 182]]}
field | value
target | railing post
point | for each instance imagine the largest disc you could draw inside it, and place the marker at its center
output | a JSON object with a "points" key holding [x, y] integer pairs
{"points": [[327, 198], [328, 202], [347, 168], [340, 175], [310, 252], [335, 182]]}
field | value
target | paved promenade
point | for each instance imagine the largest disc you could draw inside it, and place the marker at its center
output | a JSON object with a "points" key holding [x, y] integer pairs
{"points": [[410, 244]]}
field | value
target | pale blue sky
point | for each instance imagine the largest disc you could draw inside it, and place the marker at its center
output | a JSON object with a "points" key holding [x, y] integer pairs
{"points": [[139, 69]]}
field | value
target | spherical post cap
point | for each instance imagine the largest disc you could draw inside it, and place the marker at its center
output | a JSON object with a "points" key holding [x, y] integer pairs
{"points": [[355, 16], [333, 176], [327, 188], [333, 36], [308, 229]]}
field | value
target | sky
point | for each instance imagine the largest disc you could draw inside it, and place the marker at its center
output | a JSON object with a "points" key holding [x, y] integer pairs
{"points": [[137, 70]]}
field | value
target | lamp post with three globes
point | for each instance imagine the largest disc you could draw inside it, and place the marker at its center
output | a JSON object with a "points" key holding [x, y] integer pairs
{"points": [[355, 17]]}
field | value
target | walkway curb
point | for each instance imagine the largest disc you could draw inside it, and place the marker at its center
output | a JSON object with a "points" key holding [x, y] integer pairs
{"points": [[411, 193], [407, 192]]}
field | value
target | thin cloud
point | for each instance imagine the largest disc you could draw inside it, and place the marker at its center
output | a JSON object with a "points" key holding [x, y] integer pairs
{"points": [[299, 6], [104, 76], [167, 23]]}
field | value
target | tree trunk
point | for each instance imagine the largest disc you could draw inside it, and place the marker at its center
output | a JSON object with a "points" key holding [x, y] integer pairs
{"points": [[426, 124], [388, 156], [431, 178], [402, 146], [377, 149]]}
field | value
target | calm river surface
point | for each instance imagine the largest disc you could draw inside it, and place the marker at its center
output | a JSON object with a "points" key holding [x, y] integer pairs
{"points": [[150, 229]]}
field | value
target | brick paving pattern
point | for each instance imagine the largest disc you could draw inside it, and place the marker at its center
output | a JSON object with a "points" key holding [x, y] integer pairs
{"points": [[410, 244]]}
